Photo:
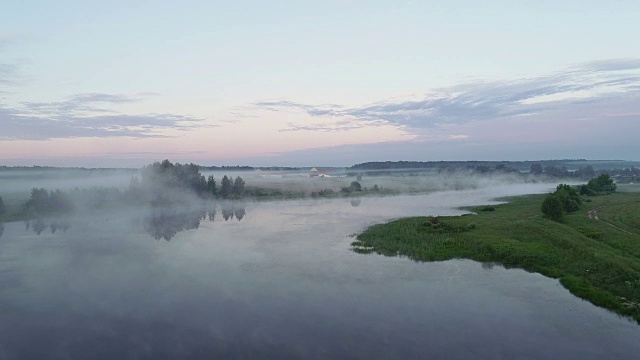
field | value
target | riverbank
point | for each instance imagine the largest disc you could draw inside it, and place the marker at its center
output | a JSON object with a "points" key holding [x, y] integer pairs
{"points": [[592, 259]]}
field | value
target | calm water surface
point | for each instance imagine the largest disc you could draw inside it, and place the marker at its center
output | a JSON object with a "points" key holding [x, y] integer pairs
{"points": [[276, 280]]}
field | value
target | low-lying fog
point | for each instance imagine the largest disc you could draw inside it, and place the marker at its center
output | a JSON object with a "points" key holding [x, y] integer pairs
{"points": [[22, 181], [17, 184]]}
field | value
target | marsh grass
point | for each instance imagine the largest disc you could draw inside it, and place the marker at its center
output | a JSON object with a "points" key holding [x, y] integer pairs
{"points": [[594, 260]]}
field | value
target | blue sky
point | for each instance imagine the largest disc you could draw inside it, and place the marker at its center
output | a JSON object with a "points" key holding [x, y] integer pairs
{"points": [[86, 83]]}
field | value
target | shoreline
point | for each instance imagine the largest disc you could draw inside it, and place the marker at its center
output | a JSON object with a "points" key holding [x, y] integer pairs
{"points": [[591, 259]]}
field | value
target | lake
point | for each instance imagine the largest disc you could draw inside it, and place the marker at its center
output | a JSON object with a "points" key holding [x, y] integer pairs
{"points": [[277, 280]]}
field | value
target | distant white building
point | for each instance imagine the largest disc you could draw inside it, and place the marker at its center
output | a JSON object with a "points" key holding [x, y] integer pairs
{"points": [[314, 172]]}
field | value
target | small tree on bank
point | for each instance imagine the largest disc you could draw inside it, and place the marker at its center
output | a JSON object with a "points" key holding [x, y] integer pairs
{"points": [[569, 197], [603, 184], [211, 185], [564, 200], [552, 208], [226, 186], [355, 186], [238, 186]]}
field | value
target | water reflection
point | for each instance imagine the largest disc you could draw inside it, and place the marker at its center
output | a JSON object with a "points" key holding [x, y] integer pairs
{"points": [[165, 223], [39, 225], [240, 213], [1, 229], [227, 214], [160, 222]]}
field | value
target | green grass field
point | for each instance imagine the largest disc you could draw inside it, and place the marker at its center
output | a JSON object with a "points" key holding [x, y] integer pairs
{"points": [[596, 259]]}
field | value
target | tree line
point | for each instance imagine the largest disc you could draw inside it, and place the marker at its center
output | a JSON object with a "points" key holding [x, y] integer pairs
{"points": [[160, 183], [567, 199]]}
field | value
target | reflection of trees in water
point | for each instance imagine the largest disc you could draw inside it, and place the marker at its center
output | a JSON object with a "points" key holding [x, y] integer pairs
{"points": [[229, 211], [240, 213], [39, 225], [1, 229], [165, 223]]}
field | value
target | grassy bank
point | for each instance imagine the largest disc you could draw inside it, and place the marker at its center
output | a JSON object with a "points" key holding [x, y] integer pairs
{"points": [[596, 259]]}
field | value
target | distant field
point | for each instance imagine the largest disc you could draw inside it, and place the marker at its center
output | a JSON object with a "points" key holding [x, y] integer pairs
{"points": [[621, 211], [597, 256], [628, 187]]}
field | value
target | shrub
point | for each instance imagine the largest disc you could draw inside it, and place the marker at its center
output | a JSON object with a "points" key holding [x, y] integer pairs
{"points": [[553, 208]]}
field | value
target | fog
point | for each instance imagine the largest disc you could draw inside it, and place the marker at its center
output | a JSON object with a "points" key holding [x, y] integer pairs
{"points": [[164, 206], [398, 180], [151, 268], [21, 181], [112, 189]]}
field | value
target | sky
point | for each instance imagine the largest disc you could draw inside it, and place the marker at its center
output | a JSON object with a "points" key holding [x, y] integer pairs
{"points": [[317, 83]]}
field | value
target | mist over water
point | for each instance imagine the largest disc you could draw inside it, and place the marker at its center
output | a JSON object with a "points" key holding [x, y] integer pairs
{"points": [[277, 280]]}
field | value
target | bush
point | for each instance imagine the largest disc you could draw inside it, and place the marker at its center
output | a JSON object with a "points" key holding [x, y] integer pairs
{"points": [[603, 184], [569, 197], [553, 208]]}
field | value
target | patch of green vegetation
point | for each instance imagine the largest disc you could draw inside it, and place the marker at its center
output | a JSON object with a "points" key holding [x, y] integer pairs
{"points": [[590, 232], [564, 200], [259, 193], [593, 259]]}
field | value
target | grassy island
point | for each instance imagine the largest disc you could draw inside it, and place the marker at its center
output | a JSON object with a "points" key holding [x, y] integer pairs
{"points": [[595, 252]]}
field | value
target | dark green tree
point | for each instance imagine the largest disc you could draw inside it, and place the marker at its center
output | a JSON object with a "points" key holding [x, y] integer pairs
{"points": [[158, 177], [38, 202], [211, 185], [569, 197], [60, 202], [226, 186], [238, 186], [603, 184], [355, 186], [552, 208]]}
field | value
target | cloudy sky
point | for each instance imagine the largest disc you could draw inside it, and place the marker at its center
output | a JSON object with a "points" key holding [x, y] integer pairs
{"points": [[326, 82]]}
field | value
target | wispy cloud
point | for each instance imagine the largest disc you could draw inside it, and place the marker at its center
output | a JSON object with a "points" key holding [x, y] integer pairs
{"points": [[88, 102], [589, 83], [612, 65], [80, 115], [340, 125], [87, 115]]}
